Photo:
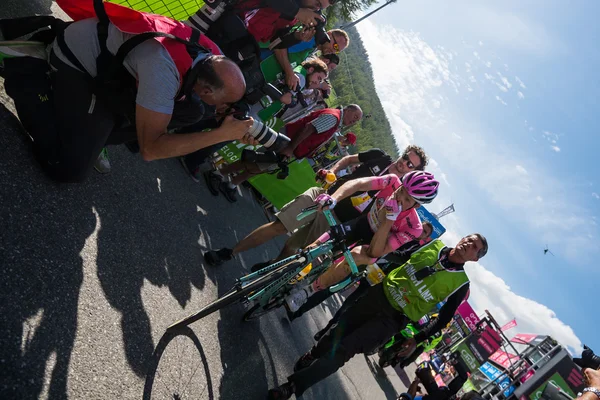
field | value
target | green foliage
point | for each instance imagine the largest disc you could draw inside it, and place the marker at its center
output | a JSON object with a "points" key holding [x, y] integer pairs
{"points": [[353, 83], [345, 10]]}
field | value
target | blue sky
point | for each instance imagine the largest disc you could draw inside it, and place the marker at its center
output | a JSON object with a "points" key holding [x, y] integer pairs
{"points": [[504, 98]]}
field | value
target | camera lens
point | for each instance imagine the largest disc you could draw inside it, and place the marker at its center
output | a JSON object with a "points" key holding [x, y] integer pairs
{"points": [[267, 136]]}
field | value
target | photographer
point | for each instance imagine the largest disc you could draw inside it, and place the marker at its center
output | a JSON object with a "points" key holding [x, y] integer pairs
{"points": [[97, 99], [306, 135]]}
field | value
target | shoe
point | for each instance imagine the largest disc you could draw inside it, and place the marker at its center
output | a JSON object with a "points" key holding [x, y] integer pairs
{"points": [[213, 180], [22, 48], [260, 265], [282, 392], [229, 191], [195, 174], [218, 257], [304, 362], [102, 164]]}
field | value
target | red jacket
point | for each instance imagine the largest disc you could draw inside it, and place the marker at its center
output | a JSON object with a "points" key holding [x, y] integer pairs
{"points": [[263, 23], [314, 141], [134, 22]]}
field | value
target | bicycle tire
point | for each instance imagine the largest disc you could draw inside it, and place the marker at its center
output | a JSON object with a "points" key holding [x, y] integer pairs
{"points": [[255, 312], [234, 295]]}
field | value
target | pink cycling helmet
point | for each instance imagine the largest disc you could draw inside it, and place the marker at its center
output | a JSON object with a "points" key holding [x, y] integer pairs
{"points": [[421, 185]]}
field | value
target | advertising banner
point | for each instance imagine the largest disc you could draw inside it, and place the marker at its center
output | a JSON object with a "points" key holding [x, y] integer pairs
{"points": [[484, 344], [503, 358], [493, 373], [467, 356], [468, 315], [426, 216], [509, 325], [528, 338]]}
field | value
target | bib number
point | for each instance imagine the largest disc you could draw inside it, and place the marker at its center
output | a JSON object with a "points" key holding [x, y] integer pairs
{"points": [[374, 274], [361, 202]]}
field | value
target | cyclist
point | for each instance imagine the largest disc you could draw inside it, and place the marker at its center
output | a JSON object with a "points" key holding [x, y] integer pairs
{"points": [[434, 273], [405, 251], [390, 223], [373, 162]]}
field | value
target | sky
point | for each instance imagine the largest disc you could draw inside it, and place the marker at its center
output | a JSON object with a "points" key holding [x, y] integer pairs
{"points": [[503, 96]]}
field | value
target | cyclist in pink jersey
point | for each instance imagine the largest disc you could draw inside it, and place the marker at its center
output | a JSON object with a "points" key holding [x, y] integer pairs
{"points": [[391, 222]]}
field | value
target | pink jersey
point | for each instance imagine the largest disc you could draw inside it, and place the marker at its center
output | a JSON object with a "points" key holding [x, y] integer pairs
{"points": [[407, 226]]}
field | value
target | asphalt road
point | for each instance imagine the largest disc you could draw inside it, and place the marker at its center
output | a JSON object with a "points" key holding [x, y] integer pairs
{"points": [[92, 274]]}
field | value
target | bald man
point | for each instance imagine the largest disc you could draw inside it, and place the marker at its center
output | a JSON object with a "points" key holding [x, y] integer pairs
{"points": [[155, 94]]}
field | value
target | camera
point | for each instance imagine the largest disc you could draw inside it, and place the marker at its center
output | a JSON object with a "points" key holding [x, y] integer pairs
{"points": [[268, 157], [321, 35], [266, 136], [588, 359]]}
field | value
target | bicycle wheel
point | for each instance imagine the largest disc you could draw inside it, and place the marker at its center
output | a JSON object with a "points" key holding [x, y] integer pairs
{"points": [[257, 311], [236, 294], [178, 369]]}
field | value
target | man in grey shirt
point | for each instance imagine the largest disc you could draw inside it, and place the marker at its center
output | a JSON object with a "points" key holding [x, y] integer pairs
{"points": [[84, 123]]}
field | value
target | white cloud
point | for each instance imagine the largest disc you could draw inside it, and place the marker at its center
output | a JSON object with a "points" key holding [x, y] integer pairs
{"points": [[488, 64], [555, 148], [521, 170], [506, 82], [472, 79], [456, 135], [502, 88], [480, 43], [420, 75], [539, 198], [490, 292], [596, 196], [488, 77], [520, 82], [522, 96]]}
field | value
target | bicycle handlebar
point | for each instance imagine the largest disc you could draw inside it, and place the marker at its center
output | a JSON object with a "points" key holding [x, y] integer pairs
{"points": [[347, 255]]}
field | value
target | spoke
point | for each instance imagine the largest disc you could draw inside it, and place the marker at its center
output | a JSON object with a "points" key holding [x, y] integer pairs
{"points": [[186, 385], [169, 391]]}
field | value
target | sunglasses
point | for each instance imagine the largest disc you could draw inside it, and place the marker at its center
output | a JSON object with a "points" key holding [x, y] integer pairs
{"points": [[336, 46], [409, 163]]}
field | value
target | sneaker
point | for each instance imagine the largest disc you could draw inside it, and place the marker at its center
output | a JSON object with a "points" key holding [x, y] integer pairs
{"points": [[290, 315], [22, 48], [218, 257], [304, 362], [229, 190], [295, 299], [282, 392], [195, 174], [102, 164], [213, 181]]}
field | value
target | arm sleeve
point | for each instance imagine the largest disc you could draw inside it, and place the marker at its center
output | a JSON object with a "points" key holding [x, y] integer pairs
{"points": [[370, 155], [445, 315], [382, 182]]}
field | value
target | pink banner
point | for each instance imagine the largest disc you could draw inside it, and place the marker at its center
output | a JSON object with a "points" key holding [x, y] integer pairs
{"points": [[503, 358], [523, 338], [468, 315], [509, 325]]}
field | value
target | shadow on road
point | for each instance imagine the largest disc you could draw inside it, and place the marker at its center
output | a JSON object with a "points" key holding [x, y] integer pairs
{"points": [[183, 365], [381, 377], [44, 228], [137, 225]]}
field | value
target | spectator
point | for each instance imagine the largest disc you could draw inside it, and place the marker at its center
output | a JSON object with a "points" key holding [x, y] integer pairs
{"points": [[306, 135]]}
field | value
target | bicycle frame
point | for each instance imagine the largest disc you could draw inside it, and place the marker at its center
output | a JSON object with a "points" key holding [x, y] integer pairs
{"points": [[266, 294]]}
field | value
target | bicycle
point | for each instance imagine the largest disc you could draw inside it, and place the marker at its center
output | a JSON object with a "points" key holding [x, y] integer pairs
{"points": [[268, 286]]}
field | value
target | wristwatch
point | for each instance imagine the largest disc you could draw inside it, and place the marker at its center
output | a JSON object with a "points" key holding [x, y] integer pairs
{"points": [[593, 390]]}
